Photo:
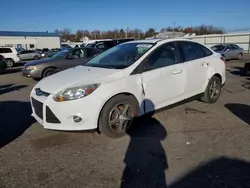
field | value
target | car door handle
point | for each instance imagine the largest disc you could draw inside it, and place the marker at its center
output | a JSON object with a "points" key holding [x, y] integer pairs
{"points": [[177, 72]]}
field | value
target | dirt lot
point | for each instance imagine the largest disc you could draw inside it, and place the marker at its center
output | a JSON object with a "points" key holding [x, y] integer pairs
{"points": [[191, 145]]}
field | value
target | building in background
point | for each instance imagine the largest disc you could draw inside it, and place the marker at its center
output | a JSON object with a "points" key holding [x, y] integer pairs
{"points": [[29, 40]]}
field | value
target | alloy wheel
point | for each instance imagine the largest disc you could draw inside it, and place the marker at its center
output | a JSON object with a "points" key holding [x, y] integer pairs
{"points": [[121, 117], [215, 89]]}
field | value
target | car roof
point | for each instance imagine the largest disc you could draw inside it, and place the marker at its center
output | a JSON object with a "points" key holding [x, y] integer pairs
{"points": [[160, 41]]}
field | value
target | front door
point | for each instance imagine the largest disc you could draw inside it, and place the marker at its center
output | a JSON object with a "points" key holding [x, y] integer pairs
{"points": [[163, 80], [76, 57]]}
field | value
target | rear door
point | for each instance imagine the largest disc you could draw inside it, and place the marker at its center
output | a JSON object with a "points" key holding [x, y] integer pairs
{"points": [[229, 54], [195, 58], [236, 51], [163, 79]]}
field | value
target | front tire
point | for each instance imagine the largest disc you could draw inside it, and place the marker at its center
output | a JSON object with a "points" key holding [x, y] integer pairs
{"points": [[117, 116], [49, 72], [36, 57], [213, 90]]}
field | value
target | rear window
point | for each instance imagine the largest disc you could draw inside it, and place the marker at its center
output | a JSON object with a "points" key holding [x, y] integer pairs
{"points": [[5, 50]]}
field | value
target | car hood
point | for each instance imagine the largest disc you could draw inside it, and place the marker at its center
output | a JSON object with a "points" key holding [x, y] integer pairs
{"points": [[38, 62], [78, 76]]}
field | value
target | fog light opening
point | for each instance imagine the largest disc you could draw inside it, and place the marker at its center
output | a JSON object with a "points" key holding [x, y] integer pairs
{"points": [[77, 119]]}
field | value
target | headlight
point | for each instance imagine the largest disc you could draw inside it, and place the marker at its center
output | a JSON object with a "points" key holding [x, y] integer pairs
{"points": [[31, 68], [75, 92]]}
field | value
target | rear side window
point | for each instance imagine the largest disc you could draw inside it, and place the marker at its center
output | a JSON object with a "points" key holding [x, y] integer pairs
{"points": [[235, 47], [5, 50], [192, 51]]}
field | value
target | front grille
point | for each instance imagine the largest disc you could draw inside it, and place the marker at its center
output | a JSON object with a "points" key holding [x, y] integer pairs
{"points": [[50, 116], [38, 107]]}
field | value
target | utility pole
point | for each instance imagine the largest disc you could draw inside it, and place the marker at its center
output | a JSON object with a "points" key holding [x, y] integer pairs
{"points": [[174, 29], [126, 33]]}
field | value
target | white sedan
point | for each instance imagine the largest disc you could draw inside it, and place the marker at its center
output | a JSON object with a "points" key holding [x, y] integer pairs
{"points": [[126, 81]]}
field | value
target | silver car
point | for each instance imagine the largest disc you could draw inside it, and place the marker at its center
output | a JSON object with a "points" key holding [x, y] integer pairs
{"points": [[29, 54], [229, 51]]}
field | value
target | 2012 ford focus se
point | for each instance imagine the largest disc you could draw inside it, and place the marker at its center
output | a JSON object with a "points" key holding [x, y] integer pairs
{"points": [[127, 81]]}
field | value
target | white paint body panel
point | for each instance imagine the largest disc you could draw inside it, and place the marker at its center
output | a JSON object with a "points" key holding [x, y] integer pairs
{"points": [[163, 86]]}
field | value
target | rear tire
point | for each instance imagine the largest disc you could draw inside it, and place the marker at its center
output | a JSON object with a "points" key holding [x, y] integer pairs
{"points": [[49, 72], [213, 90], [247, 71], [10, 62], [35, 57], [117, 116]]}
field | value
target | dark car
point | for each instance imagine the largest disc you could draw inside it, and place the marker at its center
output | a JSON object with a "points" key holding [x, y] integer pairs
{"points": [[3, 64], [53, 52], [62, 60], [107, 44], [247, 69]]}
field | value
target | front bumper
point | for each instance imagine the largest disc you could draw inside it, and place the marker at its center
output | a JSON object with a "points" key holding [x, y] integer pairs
{"points": [[59, 115], [32, 73]]}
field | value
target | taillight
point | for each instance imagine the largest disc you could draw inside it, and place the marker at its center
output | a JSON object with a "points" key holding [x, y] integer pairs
{"points": [[223, 59]]}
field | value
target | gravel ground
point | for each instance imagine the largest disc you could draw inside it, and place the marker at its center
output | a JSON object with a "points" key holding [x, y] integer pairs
{"points": [[191, 145]]}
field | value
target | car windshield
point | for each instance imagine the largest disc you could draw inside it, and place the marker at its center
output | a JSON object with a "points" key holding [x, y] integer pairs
{"points": [[120, 56], [218, 48], [60, 54]]}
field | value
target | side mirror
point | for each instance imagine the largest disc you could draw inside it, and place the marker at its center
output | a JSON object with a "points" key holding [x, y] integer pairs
{"points": [[227, 49]]}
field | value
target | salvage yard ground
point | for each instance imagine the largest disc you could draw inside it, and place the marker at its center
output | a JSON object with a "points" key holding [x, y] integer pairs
{"points": [[195, 144]]}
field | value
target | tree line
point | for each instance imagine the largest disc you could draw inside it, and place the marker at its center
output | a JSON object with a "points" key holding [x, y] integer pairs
{"points": [[67, 35]]}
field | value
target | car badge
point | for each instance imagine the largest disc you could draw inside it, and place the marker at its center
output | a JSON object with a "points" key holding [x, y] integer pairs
{"points": [[38, 92]]}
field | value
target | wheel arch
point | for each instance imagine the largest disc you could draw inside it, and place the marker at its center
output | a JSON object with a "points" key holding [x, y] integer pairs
{"points": [[50, 67], [218, 75], [109, 98]]}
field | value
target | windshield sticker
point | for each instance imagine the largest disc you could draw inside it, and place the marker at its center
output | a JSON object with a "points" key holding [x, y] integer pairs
{"points": [[142, 48], [143, 45]]}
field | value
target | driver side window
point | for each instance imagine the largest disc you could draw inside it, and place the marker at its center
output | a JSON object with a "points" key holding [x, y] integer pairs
{"points": [[165, 55], [78, 53]]}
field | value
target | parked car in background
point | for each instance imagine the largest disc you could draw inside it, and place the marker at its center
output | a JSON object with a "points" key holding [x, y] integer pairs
{"points": [[229, 51], [107, 44], [3, 64], [11, 55], [62, 60], [247, 69], [52, 52], [65, 46], [19, 49], [29, 54], [45, 50], [42, 53], [127, 81]]}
